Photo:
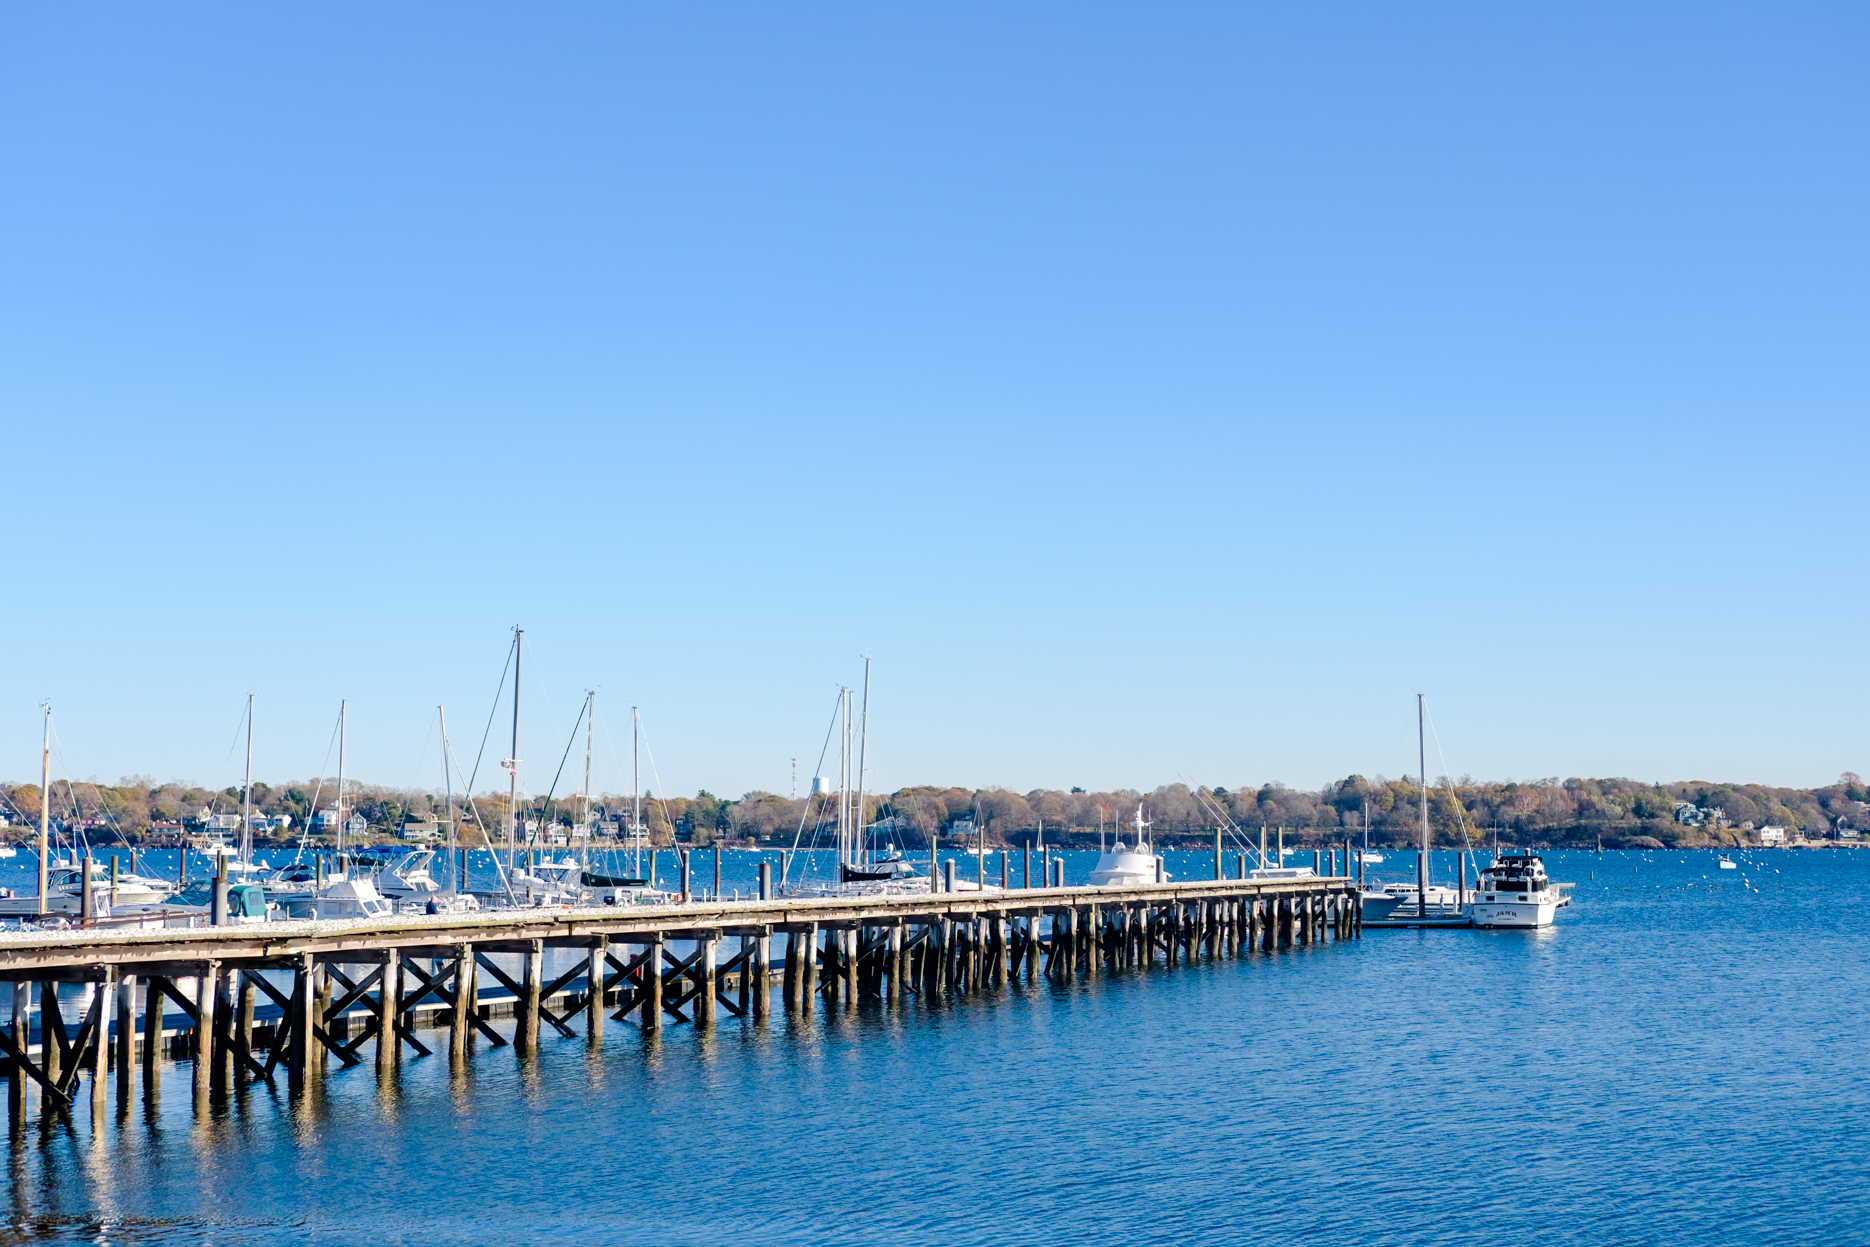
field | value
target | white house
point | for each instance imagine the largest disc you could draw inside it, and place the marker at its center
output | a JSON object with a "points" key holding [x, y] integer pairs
{"points": [[1772, 835]]}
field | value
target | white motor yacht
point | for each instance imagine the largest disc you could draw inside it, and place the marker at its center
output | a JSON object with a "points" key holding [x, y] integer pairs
{"points": [[408, 878], [1728, 863], [1122, 866], [549, 882], [64, 892], [1514, 892], [1377, 904], [352, 898]]}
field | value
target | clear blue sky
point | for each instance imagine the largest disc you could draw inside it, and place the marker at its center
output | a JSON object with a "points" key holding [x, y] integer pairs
{"points": [[1157, 391]]}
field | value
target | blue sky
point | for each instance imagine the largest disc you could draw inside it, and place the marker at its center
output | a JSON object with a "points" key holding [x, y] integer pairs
{"points": [[1156, 393]]}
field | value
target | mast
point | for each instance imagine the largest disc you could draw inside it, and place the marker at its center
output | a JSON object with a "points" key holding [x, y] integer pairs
{"points": [[512, 762], [246, 795], [844, 777], [636, 791], [340, 841], [1421, 861], [863, 747], [590, 714], [45, 806], [449, 793]]}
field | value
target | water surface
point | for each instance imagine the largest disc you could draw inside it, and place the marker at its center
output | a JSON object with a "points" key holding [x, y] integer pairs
{"points": [[1677, 1061]]}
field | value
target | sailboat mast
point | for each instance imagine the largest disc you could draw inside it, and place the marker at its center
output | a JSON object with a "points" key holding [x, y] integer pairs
{"points": [[448, 792], [1421, 861], [246, 795], [590, 715], [636, 791], [844, 776], [45, 807], [512, 762], [863, 747], [342, 705]]}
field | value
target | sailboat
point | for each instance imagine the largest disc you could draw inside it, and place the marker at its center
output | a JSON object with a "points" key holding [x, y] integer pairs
{"points": [[1366, 856]]}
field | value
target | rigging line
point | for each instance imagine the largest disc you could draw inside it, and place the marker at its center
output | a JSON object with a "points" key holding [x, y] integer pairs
{"points": [[1205, 796], [318, 788], [653, 771], [1233, 829], [492, 712], [487, 840], [806, 812], [1460, 812], [227, 762], [72, 793], [546, 805]]}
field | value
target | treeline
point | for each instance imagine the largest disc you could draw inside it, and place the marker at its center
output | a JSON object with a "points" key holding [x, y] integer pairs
{"points": [[1550, 812]]}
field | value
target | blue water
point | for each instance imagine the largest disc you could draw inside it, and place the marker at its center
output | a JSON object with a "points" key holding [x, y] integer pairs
{"points": [[1677, 1061]]}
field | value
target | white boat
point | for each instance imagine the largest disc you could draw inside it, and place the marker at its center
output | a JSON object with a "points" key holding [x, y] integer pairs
{"points": [[8, 850], [1123, 866], [1442, 899], [352, 898], [1728, 863], [65, 893], [1377, 903], [1282, 872], [1369, 858], [1515, 892], [549, 882]]}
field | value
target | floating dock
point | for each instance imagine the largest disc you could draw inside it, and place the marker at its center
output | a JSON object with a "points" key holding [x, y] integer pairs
{"points": [[248, 1003]]}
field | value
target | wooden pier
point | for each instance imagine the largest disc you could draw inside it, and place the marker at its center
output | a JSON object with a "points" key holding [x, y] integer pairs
{"points": [[250, 1004]]}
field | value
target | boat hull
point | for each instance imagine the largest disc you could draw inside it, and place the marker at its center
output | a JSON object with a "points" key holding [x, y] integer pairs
{"points": [[1516, 913]]}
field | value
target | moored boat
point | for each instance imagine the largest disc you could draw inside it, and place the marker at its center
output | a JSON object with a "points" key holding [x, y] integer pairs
{"points": [[1126, 866], [1515, 892]]}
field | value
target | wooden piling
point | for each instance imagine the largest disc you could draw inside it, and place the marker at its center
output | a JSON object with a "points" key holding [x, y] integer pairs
{"points": [[21, 1035], [99, 1053], [651, 993], [461, 1022], [124, 1040], [243, 1012], [704, 981], [594, 1003], [207, 990], [303, 1065], [388, 1000], [808, 965], [321, 1007], [762, 973], [789, 987]]}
